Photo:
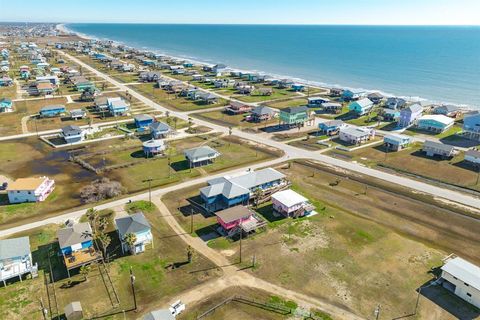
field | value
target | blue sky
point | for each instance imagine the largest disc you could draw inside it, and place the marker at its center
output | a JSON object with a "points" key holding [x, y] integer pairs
{"points": [[365, 12]]}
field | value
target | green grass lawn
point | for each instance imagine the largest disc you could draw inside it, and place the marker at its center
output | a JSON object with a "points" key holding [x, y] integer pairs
{"points": [[277, 94], [446, 134], [287, 103], [155, 282], [229, 120], [340, 250], [412, 160], [172, 101]]}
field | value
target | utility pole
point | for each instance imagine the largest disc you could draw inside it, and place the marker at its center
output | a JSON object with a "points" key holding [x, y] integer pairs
{"points": [[44, 310], [132, 282], [241, 236], [191, 221], [149, 188]]}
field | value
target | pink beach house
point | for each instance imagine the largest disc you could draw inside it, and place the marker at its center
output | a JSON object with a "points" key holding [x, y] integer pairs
{"points": [[233, 217], [30, 189]]}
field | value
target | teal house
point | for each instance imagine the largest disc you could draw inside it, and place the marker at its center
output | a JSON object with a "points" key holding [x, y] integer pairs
{"points": [[294, 115], [361, 107], [6, 105]]}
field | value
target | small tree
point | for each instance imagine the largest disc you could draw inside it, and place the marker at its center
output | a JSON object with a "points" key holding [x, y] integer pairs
{"points": [[130, 239], [167, 114], [92, 216], [102, 224], [105, 240], [175, 120], [85, 271]]}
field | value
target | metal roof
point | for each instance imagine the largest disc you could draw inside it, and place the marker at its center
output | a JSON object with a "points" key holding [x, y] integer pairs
{"points": [[438, 145], [200, 152], [76, 234], [132, 224], [289, 198], [463, 270], [159, 126], [16, 247]]}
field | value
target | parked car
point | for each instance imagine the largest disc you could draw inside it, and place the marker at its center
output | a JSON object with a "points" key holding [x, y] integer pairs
{"points": [[176, 308]]}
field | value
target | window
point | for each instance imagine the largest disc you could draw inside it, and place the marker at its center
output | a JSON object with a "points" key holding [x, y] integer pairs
{"points": [[469, 295], [466, 284]]}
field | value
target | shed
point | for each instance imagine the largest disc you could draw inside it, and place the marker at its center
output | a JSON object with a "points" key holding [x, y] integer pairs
{"points": [[73, 311]]}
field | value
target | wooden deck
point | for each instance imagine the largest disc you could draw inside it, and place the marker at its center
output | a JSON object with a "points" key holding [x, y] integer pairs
{"points": [[79, 258]]}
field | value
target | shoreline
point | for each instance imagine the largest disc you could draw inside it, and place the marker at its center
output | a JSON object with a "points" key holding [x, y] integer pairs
{"points": [[314, 84]]}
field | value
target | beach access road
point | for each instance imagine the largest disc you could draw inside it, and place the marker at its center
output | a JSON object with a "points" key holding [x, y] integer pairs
{"points": [[297, 153]]}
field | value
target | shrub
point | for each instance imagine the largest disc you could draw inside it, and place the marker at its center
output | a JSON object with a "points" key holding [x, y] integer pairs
{"points": [[101, 189]]}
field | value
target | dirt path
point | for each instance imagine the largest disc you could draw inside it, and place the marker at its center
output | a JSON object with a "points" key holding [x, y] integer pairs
{"points": [[24, 124], [233, 277]]}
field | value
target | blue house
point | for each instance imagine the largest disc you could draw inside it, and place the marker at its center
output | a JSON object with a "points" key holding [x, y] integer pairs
{"points": [[391, 114], [409, 115], [6, 105], [317, 101], [229, 191], [349, 95], [331, 127], [143, 120], [98, 55], [159, 130], [297, 87], [396, 142], [76, 246], [361, 107], [117, 106], [471, 126], [16, 259], [138, 225], [435, 123], [52, 111]]}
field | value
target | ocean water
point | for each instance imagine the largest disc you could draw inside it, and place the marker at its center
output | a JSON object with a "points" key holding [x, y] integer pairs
{"points": [[435, 63]]}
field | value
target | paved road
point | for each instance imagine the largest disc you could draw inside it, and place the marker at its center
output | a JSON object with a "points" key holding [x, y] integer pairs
{"points": [[234, 277], [121, 202], [296, 153]]}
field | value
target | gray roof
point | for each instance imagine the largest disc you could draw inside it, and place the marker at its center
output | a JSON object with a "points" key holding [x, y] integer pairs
{"points": [[463, 270], [438, 145], [100, 101], [260, 110], [143, 117], [200, 152], [293, 110], [397, 137], [71, 130], [12, 248], [446, 108], [53, 107], [232, 187], [333, 123], [414, 108], [163, 314], [159, 126], [356, 132], [132, 224], [76, 234]]}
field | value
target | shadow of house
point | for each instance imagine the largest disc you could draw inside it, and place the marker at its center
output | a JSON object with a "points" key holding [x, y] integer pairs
{"points": [[48, 259], [195, 206], [449, 302], [267, 213], [139, 154], [208, 233], [422, 154], [180, 165], [458, 141]]}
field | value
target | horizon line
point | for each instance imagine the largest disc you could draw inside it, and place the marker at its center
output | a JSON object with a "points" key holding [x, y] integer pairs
{"points": [[248, 24]]}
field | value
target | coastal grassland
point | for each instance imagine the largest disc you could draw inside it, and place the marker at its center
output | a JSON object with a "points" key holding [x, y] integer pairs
{"points": [[121, 159], [448, 134], [276, 94], [21, 300], [310, 142], [9, 92], [241, 311], [156, 283], [234, 153], [223, 118], [291, 102], [413, 161], [11, 123], [371, 243], [172, 101]]}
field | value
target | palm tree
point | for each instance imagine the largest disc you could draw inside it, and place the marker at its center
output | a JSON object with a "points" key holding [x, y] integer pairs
{"points": [[84, 271], [105, 240], [102, 224], [92, 215], [257, 194], [130, 239]]}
